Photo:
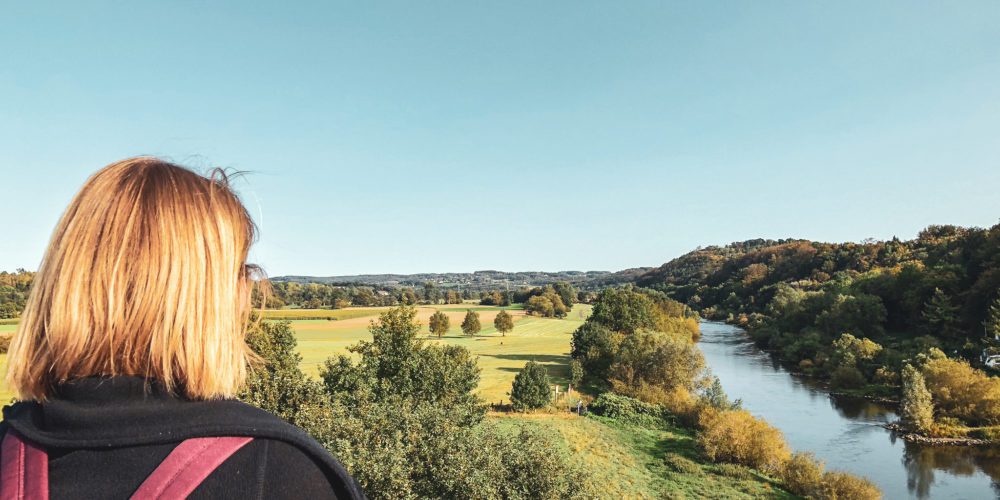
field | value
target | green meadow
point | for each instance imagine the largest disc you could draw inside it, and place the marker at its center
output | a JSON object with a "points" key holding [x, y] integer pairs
{"points": [[544, 340]]}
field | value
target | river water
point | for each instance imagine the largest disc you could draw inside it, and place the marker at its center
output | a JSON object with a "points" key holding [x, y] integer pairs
{"points": [[845, 432]]}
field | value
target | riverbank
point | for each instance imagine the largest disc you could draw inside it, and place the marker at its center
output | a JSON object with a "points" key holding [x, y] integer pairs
{"points": [[847, 432]]}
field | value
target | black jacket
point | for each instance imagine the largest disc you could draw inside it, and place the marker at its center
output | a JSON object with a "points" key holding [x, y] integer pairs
{"points": [[104, 436]]}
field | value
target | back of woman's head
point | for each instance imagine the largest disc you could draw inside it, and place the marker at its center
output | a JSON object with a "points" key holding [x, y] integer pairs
{"points": [[145, 275]]}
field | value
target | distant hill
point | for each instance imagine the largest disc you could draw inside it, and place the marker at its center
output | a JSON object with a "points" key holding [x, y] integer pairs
{"points": [[479, 280]]}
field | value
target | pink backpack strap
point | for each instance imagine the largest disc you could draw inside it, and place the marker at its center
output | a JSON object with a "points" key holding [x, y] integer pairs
{"points": [[187, 466], [24, 469]]}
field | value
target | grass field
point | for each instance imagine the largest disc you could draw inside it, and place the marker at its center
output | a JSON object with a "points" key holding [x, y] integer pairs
{"points": [[323, 333], [544, 340], [628, 461]]}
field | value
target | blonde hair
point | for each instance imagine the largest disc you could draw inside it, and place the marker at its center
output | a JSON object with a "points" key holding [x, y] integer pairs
{"points": [[145, 275]]}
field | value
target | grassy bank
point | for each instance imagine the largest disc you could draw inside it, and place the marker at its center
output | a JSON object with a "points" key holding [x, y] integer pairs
{"points": [[626, 460]]}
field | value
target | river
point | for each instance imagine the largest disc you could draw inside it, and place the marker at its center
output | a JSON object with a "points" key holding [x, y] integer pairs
{"points": [[845, 433]]}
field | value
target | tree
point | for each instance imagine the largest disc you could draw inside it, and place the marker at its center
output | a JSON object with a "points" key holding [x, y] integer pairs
{"points": [[941, 316], [540, 305], [992, 322], [470, 325], [917, 409], [531, 387], [575, 372], [439, 323], [566, 292], [504, 323], [623, 310]]}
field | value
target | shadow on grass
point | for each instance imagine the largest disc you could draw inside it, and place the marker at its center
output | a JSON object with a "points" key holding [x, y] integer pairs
{"points": [[538, 358]]}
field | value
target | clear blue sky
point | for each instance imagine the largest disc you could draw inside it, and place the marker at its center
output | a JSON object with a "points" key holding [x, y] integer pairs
{"points": [[423, 136]]}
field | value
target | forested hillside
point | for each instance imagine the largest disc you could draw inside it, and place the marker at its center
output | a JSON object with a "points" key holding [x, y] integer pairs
{"points": [[859, 313]]}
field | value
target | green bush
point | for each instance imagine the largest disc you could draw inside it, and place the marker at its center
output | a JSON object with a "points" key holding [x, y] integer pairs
{"points": [[629, 409], [531, 387], [681, 464], [847, 377]]}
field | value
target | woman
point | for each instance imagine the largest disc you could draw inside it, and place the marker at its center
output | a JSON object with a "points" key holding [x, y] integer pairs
{"points": [[131, 350]]}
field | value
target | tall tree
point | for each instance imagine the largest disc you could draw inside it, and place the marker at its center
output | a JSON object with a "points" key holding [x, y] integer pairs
{"points": [[470, 325], [941, 316], [504, 323], [992, 322], [917, 409], [439, 323]]}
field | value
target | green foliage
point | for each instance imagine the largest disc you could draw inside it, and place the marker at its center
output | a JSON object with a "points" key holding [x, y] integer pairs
{"points": [[503, 322], [567, 293], [847, 377], [439, 323], [531, 387], [992, 321], [630, 410], [547, 303], [595, 346], [656, 367], [14, 288], [941, 316], [403, 418], [916, 407], [623, 310], [470, 325], [575, 372], [849, 350]]}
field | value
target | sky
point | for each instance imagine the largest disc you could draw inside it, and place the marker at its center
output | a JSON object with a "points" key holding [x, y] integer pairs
{"points": [[404, 137]]}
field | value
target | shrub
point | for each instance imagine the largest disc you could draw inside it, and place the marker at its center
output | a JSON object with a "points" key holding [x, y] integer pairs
{"points": [[681, 464], [628, 409], [802, 474], [531, 387], [843, 486], [4, 343], [737, 436], [735, 471], [847, 377], [963, 392]]}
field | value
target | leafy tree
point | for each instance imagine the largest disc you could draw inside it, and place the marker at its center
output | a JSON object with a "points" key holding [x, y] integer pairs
{"points": [[575, 372], [657, 368], [567, 293], [941, 316], [470, 325], [623, 310], [504, 322], [531, 387], [541, 306], [439, 323], [992, 322], [916, 408], [595, 346]]}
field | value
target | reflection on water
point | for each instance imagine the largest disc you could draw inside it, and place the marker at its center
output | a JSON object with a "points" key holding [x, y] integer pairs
{"points": [[844, 432]]}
